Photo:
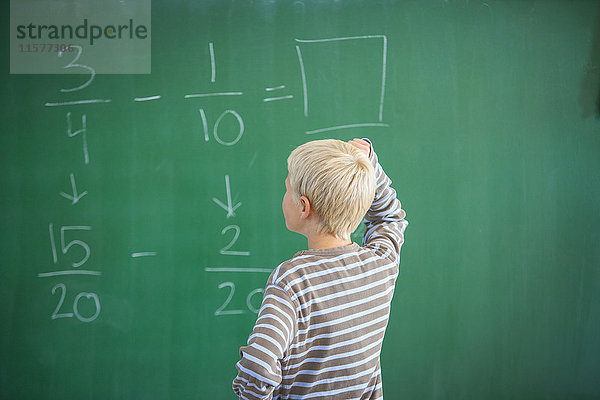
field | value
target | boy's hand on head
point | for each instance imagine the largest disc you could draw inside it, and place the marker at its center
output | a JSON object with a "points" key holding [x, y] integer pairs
{"points": [[362, 145]]}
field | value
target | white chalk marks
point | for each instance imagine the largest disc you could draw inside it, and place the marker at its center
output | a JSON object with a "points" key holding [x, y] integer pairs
{"points": [[303, 74], [75, 197], [195, 95], [276, 98], [335, 128], [335, 96], [72, 249], [74, 64], [213, 67], [240, 123], [229, 207], [348, 93], [270, 89], [238, 269], [222, 310], [65, 246], [68, 272], [82, 131], [225, 250], [147, 98], [143, 254], [77, 102]]}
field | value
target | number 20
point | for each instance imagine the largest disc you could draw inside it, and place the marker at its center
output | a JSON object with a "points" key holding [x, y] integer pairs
{"points": [[56, 315]]}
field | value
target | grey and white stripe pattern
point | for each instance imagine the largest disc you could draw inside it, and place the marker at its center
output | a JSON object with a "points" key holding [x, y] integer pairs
{"points": [[319, 330]]}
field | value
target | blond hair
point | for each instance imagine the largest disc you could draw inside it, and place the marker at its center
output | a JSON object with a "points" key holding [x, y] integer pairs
{"points": [[339, 181]]}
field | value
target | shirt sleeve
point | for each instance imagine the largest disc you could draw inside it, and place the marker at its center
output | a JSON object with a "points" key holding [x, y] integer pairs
{"points": [[259, 370], [385, 223]]}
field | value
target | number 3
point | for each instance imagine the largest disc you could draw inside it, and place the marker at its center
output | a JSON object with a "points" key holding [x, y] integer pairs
{"points": [[73, 65]]}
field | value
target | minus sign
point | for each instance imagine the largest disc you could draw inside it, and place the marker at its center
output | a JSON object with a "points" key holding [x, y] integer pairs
{"points": [[143, 254]]}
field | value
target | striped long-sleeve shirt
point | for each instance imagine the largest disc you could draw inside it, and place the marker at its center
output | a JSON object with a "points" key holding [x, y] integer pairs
{"points": [[320, 328]]}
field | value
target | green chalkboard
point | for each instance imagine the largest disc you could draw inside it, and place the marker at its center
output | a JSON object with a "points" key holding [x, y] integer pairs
{"points": [[166, 200]]}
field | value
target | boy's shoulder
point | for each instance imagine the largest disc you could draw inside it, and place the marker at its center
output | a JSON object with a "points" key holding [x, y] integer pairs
{"points": [[309, 267]]}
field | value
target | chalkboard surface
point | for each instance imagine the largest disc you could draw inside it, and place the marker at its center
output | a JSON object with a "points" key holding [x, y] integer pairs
{"points": [[137, 230]]}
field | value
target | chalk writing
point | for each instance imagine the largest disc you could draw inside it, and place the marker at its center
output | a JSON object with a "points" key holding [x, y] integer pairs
{"points": [[230, 207], [73, 64], [213, 68], [74, 246], [56, 314], [75, 197], [144, 254], [65, 247], [222, 309], [225, 250], [146, 98], [302, 65], [82, 131], [216, 135]]}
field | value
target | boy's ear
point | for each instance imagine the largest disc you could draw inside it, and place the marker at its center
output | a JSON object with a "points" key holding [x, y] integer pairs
{"points": [[305, 208]]}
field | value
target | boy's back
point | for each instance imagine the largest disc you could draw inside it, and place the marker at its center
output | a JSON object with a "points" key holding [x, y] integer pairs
{"points": [[324, 314]]}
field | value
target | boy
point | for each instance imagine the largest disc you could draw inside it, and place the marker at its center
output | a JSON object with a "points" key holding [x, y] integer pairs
{"points": [[319, 331]]}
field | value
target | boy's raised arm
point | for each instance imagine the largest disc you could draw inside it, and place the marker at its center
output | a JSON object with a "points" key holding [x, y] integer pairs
{"points": [[384, 221]]}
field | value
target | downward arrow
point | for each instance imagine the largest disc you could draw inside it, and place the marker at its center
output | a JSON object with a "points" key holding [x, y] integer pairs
{"points": [[75, 197], [230, 208]]}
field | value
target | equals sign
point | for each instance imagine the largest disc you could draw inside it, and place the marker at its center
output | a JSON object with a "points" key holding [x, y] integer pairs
{"points": [[271, 89]]}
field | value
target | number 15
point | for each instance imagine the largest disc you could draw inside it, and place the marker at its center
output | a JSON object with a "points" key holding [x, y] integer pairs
{"points": [[65, 247]]}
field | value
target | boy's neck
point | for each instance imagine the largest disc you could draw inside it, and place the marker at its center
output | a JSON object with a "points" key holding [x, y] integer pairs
{"points": [[325, 241]]}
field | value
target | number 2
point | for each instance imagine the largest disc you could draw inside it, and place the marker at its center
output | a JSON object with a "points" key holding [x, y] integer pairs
{"points": [[56, 315], [221, 309], [225, 250]]}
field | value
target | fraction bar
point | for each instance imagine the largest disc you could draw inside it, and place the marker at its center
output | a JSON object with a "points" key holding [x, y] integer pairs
{"points": [[71, 103], [228, 269], [68, 272], [340, 38], [189, 96], [334, 128]]}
